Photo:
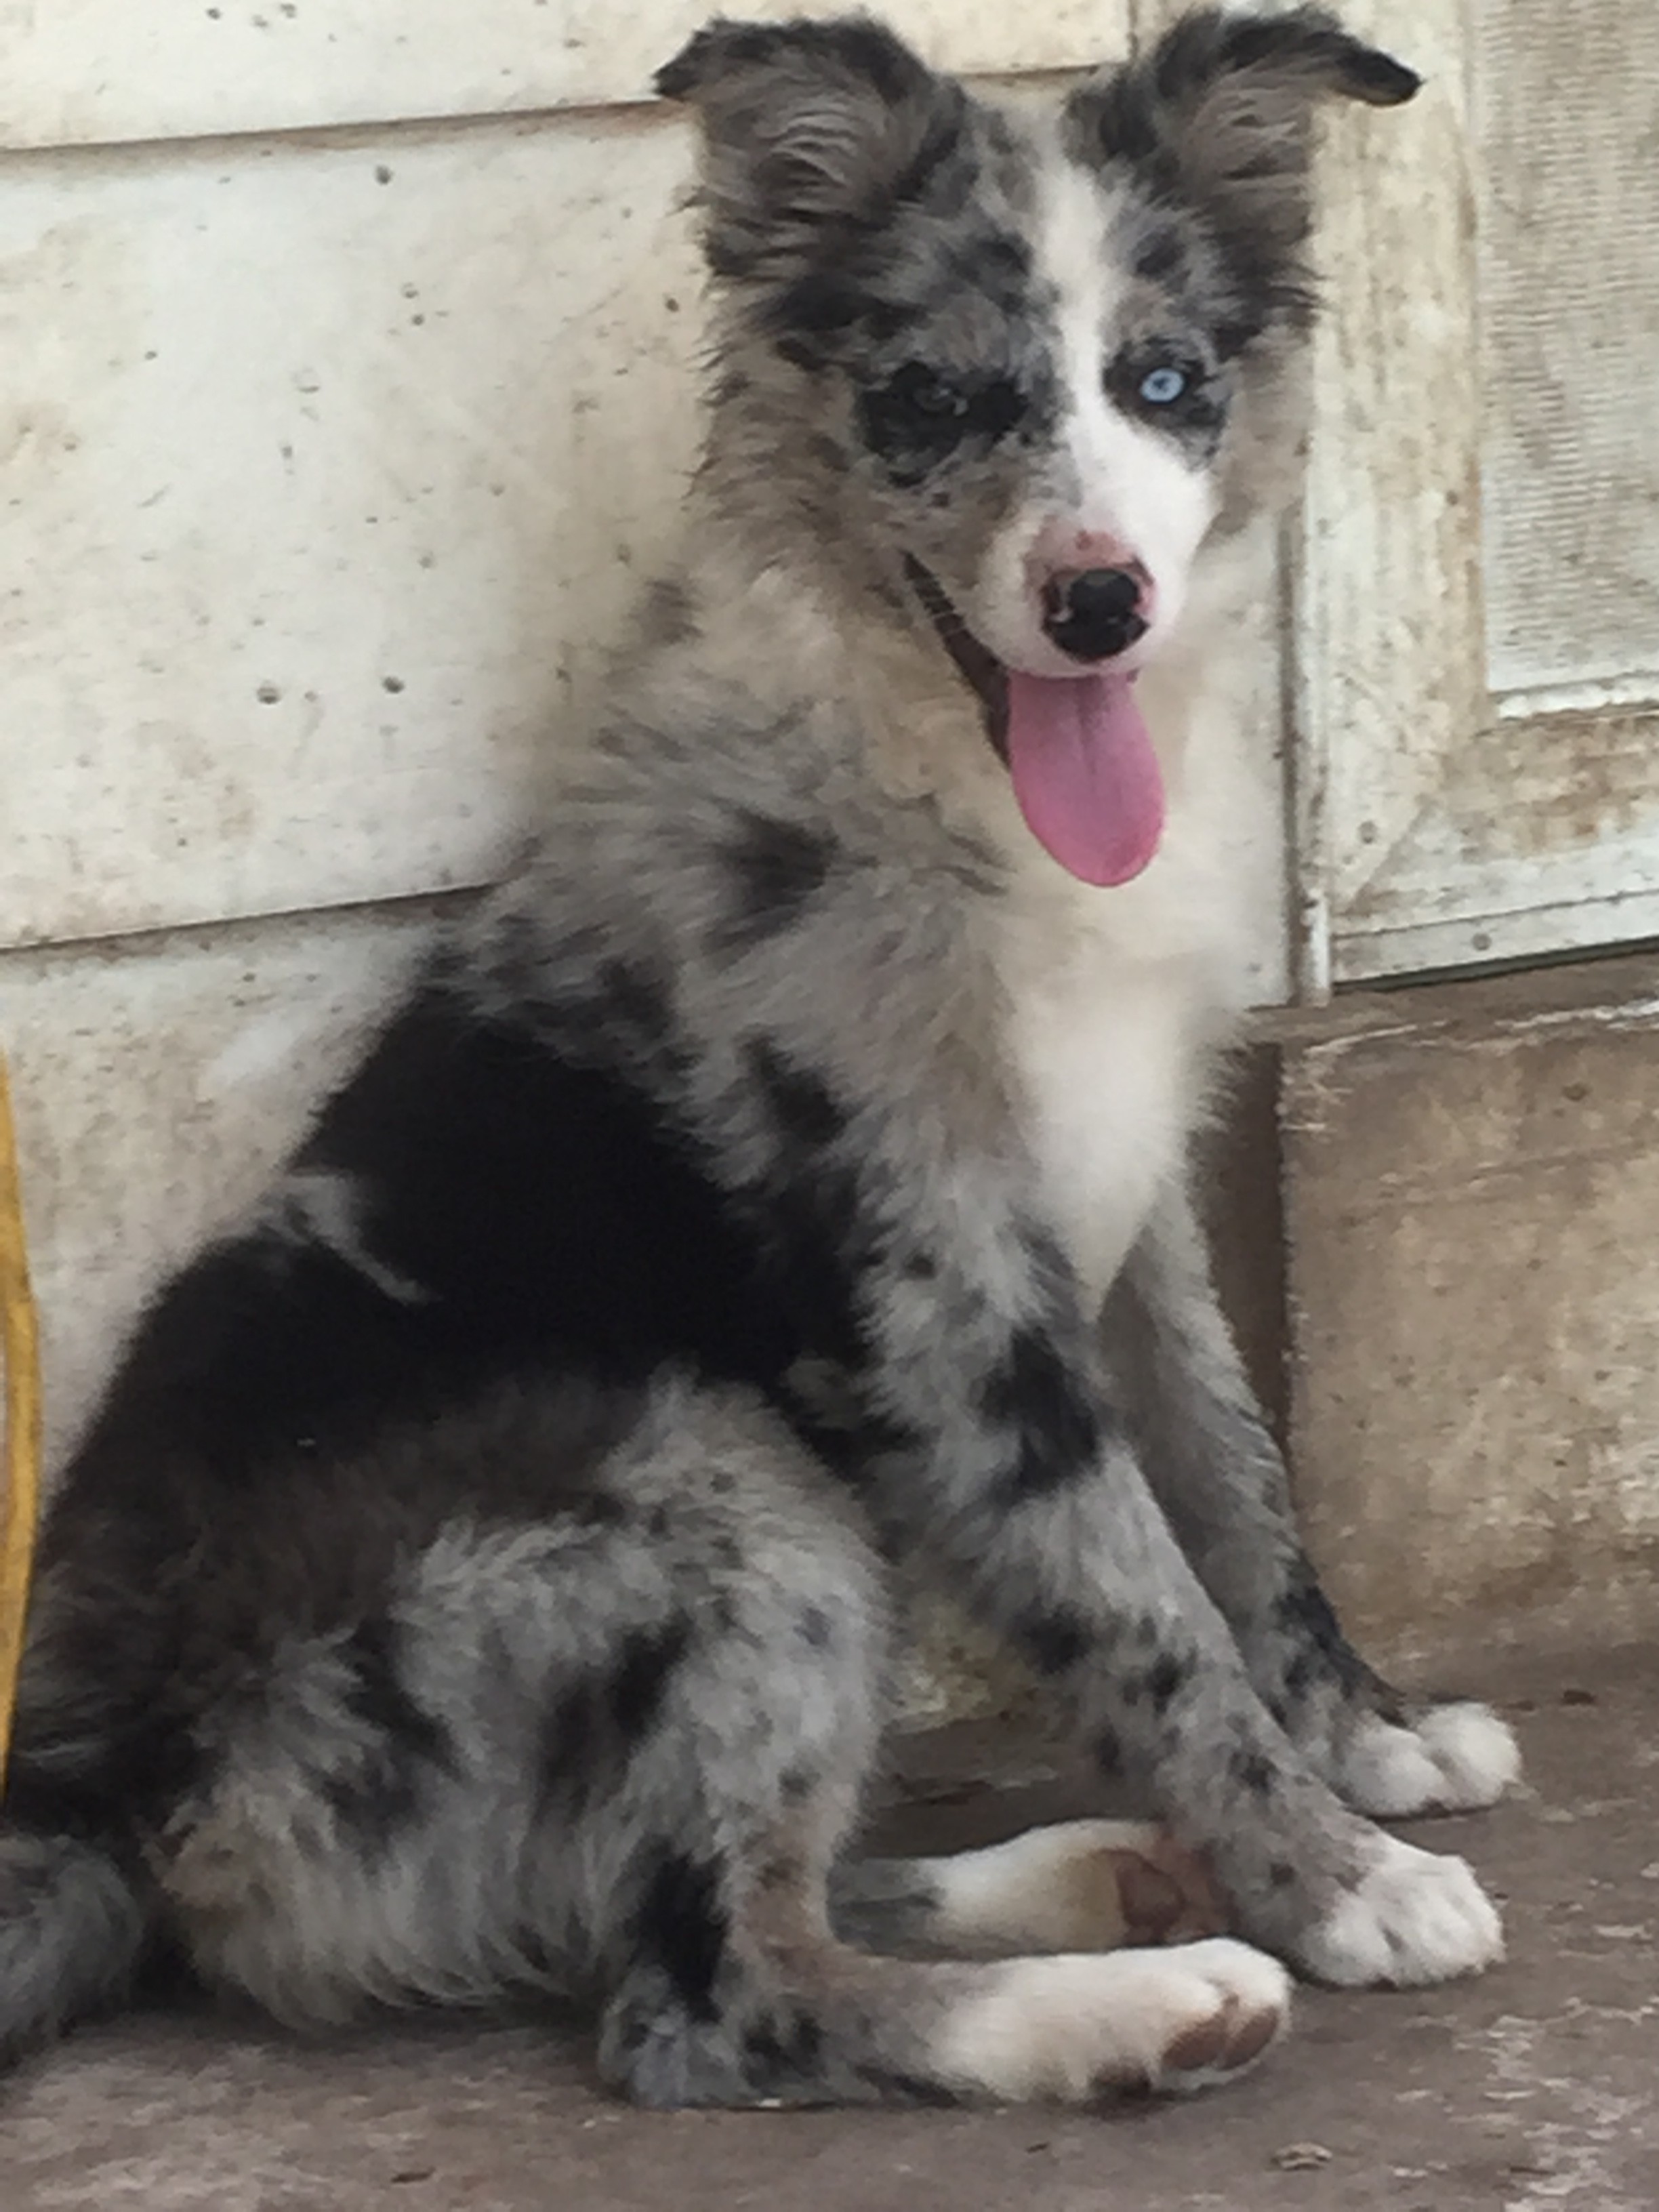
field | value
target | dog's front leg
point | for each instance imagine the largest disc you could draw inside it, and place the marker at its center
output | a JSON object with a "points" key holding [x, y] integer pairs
{"points": [[1218, 1475], [1019, 1480]]}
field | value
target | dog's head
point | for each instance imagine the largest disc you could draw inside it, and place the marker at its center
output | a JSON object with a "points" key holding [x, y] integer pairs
{"points": [[1022, 362]]}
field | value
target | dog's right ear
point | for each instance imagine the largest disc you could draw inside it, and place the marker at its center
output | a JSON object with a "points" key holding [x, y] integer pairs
{"points": [[809, 130]]}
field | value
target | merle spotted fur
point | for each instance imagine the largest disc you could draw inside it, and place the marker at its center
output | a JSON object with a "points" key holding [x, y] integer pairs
{"points": [[476, 1578]]}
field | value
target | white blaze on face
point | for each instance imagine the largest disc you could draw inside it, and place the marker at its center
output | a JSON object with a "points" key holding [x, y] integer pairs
{"points": [[1107, 473]]}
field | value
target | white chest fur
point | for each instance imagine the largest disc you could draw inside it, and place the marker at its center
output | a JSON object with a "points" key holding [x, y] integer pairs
{"points": [[1106, 1051]]}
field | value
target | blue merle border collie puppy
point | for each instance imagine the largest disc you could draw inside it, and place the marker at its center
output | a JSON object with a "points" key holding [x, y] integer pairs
{"points": [[476, 1578]]}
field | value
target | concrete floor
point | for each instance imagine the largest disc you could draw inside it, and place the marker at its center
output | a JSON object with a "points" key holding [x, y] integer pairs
{"points": [[1535, 2087]]}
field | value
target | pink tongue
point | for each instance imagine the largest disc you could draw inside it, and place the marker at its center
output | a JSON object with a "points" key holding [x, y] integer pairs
{"points": [[1084, 773]]}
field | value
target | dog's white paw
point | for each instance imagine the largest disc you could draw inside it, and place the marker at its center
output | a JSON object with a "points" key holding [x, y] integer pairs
{"points": [[1416, 1916], [1077, 2027], [1455, 1759]]}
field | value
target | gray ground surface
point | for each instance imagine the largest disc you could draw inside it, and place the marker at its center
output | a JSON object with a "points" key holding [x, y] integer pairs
{"points": [[1533, 2087]]}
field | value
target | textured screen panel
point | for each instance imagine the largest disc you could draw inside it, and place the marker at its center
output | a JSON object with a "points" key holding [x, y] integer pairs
{"points": [[1567, 195]]}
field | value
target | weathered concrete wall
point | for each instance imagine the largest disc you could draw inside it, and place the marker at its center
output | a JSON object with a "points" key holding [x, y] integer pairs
{"points": [[1472, 1205]]}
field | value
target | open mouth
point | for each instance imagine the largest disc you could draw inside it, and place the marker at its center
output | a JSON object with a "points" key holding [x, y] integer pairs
{"points": [[1076, 750]]}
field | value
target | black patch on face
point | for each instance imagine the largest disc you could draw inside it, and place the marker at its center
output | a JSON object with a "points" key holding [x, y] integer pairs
{"points": [[1053, 1640], [1280, 1875], [775, 869], [919, 417], [796, 1785], [681, 1926], [815, 1628], [1058, 1433], [1160, 255]]}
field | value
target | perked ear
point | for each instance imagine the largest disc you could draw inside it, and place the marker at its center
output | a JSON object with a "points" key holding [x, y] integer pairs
{"points": [[809, 130], [1220, 114]]}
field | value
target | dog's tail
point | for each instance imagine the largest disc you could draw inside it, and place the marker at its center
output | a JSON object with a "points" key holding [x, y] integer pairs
{"points": [[73, 1925]]}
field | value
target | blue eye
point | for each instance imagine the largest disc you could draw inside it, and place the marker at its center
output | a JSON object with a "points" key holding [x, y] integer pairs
{"points": [[1161, 387]]}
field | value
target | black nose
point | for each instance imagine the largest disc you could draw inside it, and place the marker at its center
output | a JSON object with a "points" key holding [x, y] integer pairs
{"points": [[1093, 613]]}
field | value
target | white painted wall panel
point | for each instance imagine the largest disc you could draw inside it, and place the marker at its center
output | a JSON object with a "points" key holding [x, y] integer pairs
{"points": [[89, 71], [1569, 278], [1476, 646], [156, 1085], [333, 461]]}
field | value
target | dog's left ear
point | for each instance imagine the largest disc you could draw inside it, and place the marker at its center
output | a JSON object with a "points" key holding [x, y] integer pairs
{"points": [[809, 130], [1219, 116]]}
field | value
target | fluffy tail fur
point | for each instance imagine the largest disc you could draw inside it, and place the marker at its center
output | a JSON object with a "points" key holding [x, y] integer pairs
{"points": [[72, 1929]]}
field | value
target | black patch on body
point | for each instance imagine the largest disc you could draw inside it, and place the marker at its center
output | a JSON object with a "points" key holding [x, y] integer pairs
{"points": [[1306, 1615], [597, 1724], [1057, 1431], [804, 1111], [666, 616], [1252, 1771], [378, 1796], [783, 2050], [1054, 1639], [1166, 1679], [775, 868], [381, 1795], [566, 1237], [815, 1628], [681, 1926]]}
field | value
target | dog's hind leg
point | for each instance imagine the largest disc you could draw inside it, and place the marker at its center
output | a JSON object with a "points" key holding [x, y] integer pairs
{"points": [[1078, 1886], [1219, 1477], [737, 1998], [725, 1982], [730, 1989]]}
